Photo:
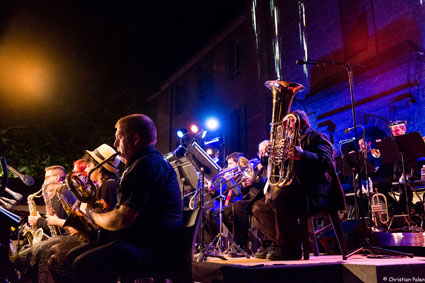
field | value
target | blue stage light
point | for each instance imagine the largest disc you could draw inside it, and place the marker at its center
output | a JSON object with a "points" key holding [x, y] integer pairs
{"points": [[181, 132], [212, 124]]}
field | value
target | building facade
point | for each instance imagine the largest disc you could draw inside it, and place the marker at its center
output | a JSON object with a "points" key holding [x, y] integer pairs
{"points": [[384, 40]]}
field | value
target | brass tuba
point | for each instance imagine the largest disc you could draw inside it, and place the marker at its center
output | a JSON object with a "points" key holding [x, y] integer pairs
{"points": [[284, 132]]}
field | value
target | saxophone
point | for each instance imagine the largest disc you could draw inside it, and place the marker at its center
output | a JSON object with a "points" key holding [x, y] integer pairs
{"points": [[77, 219], [284, 132], [33, 234], [54, 230]]}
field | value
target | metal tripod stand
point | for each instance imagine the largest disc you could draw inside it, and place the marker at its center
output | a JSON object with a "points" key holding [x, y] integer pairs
{"points": [[218, 242]]}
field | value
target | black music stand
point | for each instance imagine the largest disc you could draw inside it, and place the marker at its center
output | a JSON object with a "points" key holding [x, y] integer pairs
{"points": [[209, 169], [408, 147], [219, 239], [365, 169]]}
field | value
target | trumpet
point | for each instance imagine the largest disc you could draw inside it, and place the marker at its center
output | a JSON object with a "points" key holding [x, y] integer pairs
{"points": [[245, 169], [375, 152]]}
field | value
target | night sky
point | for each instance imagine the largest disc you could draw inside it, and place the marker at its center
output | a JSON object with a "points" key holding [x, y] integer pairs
{"points": [[69, 69]]}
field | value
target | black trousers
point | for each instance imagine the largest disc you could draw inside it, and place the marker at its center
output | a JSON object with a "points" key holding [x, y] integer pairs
{"points": [[238, 222], [107, 263], [278, 220]]}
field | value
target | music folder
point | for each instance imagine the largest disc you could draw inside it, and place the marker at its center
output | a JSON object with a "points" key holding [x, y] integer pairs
{"points": [[410, 145]]}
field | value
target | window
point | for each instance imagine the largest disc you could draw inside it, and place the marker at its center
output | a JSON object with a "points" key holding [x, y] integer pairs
{"points": [[181, 97], [233, 59], [205, 78]]}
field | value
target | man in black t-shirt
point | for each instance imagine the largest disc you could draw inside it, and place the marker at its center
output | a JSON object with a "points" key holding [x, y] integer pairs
{"points": [[148, 215]]}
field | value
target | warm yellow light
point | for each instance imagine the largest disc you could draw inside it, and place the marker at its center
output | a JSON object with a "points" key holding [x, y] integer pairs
{"points": [[25, 76]]}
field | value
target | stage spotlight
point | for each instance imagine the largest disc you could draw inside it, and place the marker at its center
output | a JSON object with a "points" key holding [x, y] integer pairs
{"points": [[181, 132], [212, 124], [194, 128], [209, 151]]}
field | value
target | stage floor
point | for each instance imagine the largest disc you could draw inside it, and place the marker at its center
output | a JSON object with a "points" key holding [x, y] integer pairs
{"points": [[324, 268]]}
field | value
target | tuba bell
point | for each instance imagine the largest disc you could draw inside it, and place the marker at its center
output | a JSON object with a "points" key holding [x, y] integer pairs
{"points": [[284, 133]]}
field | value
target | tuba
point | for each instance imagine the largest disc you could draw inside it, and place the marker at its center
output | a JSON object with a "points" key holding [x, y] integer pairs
{"points": [[284, 133]]}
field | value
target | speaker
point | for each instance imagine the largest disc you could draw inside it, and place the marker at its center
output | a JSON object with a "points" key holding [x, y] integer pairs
{"points": [[352, 230]]}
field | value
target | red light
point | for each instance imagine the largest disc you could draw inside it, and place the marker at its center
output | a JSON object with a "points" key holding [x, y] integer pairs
{"points": [[194, 129]]}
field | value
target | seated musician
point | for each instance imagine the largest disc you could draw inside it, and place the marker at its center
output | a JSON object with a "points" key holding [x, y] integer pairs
{"points": [[238, 222], [412, 169], [315, 188], [32, 261], [147, 219], [231, 190], [105, 178]]}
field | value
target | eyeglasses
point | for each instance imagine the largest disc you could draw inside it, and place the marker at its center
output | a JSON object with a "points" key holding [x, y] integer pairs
{"points": [[49, 176]]}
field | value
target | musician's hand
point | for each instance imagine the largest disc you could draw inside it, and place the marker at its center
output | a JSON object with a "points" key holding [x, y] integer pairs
{"points": [[83, 208], [264, 151], [53, 220], [246, 182], [71, 230], [32, 220], [296, 152]]}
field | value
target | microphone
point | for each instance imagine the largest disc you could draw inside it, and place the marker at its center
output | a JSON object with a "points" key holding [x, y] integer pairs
{"points": [[6, 205], [15, 195], [308, 62], [347, 140], [300, 62], [28, 180], [11, 201]]}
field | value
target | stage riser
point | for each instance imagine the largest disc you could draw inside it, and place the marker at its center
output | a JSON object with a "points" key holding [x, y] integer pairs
{"points": [[337, 272]]}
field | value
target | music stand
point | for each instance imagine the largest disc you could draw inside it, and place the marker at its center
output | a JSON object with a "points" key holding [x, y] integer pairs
{"points": [[218, 241], [408, 147], [186, 175], [209, 169]]}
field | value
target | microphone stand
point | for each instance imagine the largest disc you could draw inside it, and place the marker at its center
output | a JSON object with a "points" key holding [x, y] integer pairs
{"points": [[366, 247]]}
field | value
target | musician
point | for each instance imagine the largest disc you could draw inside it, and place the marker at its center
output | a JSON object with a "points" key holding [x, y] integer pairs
{"points": [[398, 128], [105, 177], [231, 189], [80, 166], [238, 221], [32, 261], [148, 216], [315, 188]]}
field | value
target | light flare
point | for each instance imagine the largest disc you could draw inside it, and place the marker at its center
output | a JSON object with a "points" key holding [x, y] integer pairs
{"points": [[303, 37]]}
